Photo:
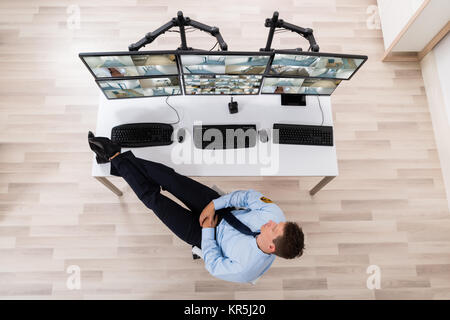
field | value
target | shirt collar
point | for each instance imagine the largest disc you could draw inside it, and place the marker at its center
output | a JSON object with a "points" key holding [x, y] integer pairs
{"points": [[255, 246]]}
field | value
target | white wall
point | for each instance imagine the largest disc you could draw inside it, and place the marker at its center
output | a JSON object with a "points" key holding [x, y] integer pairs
{"points": [[442, 58], [436, 76], [394, 15], [428, 24]]}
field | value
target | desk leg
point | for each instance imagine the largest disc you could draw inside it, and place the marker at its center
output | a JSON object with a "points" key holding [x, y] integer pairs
{"points": [[109, 185], [322, 183]]}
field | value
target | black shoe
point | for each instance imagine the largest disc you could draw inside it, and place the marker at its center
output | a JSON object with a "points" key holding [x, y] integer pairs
{"points": [[103, 147], [101, 158]]}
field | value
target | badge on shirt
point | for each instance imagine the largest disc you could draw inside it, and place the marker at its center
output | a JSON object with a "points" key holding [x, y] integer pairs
{"points": [[266, 200]]}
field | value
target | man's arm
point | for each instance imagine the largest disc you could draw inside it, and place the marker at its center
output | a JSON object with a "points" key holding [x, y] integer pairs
{"points": [[219, 266], [250, 199]]}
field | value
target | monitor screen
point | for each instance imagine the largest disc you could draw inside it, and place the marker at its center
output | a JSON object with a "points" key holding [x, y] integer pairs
{"points": [[308, 86], [232, 64], [210, 84], [138, 88], [316, 65], [120, 64]]}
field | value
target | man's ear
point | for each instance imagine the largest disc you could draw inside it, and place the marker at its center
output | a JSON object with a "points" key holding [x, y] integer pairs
{"points": [[272, 247]]}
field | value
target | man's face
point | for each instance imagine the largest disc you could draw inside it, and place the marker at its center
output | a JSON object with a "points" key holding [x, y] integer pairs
{"points": [[269, 232]]}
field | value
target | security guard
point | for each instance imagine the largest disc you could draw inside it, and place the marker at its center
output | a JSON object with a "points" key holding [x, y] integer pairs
{"points": [[239, 257], [246, 241]]}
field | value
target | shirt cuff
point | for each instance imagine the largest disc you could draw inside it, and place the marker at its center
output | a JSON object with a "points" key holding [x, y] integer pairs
{"points": [[207, 234], [219, 203]]}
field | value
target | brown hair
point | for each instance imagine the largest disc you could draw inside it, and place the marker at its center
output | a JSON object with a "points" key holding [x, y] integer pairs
{"points": [[291, 244]]}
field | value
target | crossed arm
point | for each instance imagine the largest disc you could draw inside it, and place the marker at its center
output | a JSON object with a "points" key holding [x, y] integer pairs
{"points": [[216, 263], [250, 199]]}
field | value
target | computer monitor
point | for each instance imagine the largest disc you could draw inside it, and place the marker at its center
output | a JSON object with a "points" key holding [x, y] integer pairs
{"points": [[210, 84], [293, 91], [306, 86], [288, 63], [141, 87], [223, 73], [104, 65]]}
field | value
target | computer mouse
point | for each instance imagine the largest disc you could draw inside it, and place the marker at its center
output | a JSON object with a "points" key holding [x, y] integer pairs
{"points": [[263, 135], [181, 134]]}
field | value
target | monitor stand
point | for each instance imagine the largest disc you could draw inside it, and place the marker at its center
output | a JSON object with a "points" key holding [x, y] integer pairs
{"points": [[293, 100]]}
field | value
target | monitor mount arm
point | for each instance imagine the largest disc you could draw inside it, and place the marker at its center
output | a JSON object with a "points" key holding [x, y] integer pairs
{"points": [[306, 33], [181, 22]]}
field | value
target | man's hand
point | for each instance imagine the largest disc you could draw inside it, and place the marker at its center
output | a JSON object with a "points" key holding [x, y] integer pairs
{"points": [[210, 222], [208, 218]]}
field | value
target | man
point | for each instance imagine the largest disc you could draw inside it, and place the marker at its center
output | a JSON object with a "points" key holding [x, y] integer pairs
{"points": [[237, 245]]}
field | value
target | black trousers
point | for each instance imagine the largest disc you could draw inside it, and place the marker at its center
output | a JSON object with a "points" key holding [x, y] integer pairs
{"points": [[146, 178]]}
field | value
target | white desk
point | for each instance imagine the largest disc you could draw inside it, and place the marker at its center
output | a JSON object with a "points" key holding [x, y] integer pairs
{"points": [[266, 159]]}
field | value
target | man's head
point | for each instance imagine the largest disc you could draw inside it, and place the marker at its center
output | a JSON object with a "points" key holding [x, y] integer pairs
{"points": [[284, 239]]}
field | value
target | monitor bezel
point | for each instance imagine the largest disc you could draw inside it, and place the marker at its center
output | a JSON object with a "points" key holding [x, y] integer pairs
{"points": [[128, 53], [138, 78], [318, 54], [306, 94], [223, 53]]}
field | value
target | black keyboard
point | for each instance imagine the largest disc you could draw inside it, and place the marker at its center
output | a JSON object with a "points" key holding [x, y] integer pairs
{"points": [[135, 135], [303, 134], [225, 136]]}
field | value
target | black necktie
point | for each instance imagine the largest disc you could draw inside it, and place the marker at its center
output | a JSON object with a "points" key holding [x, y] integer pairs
{"points": [[236, 223]]}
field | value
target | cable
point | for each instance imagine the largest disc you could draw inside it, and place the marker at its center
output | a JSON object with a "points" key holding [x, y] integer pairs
{"points": [[178, 116], [185, 30], [320, 105], [214, 46]]}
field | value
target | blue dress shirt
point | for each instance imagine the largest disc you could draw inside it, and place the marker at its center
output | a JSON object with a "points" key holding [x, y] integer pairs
{"points": [[234, 256]]}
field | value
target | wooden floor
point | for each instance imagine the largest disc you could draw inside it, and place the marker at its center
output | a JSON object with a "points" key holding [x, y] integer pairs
{"points": [[386, 208]]}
